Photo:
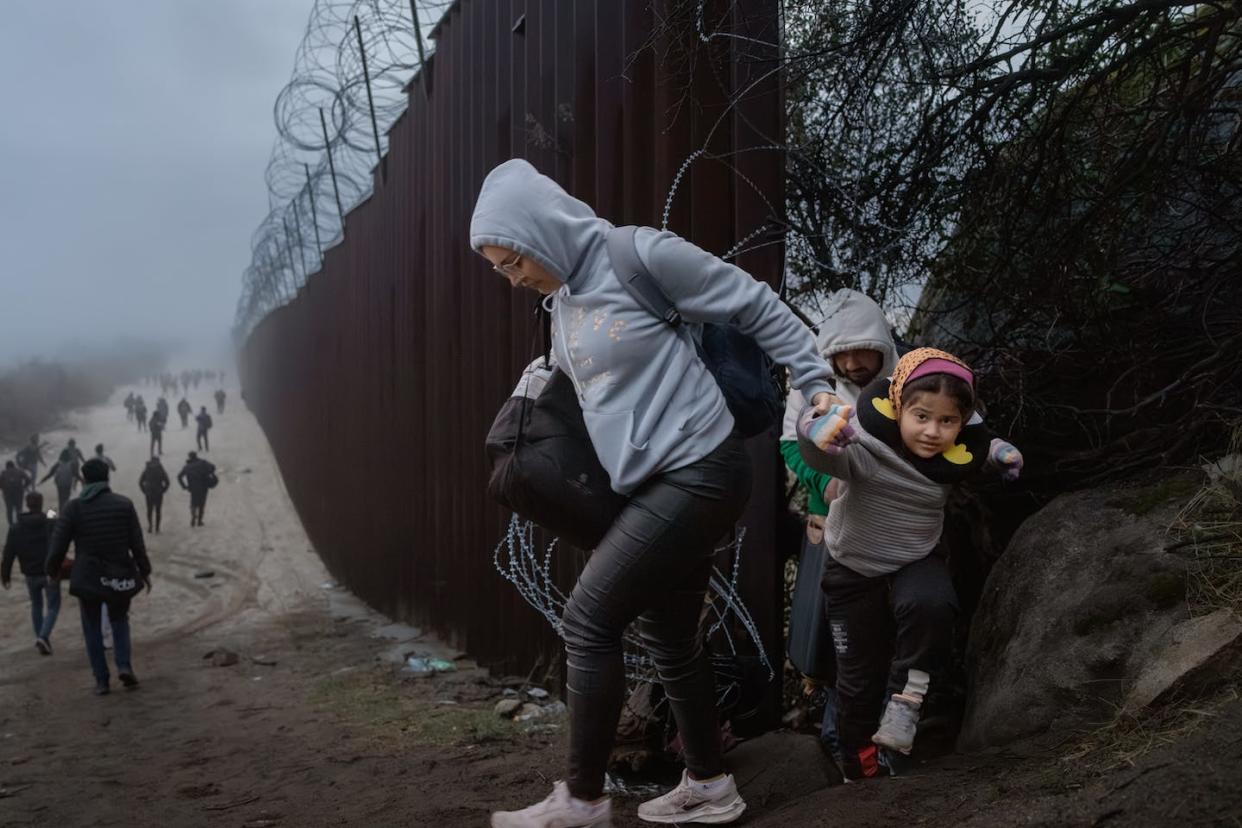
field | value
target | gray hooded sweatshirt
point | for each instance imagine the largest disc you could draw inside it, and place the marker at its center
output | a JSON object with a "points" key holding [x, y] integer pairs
{"points": [[853, 322], [649, 403]]}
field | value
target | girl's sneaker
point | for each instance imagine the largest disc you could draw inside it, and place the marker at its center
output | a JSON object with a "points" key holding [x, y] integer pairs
{"points": [[900, 722], [559, 810], [712, 803]]}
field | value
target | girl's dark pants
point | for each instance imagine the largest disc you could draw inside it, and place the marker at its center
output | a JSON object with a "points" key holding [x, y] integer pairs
{"points": [[652, 566], [882, 627]]}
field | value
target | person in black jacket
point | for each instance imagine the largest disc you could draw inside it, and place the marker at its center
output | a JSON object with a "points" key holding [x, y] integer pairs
{"points": [[197, 477], [109, 569], [204, 425], [13, 483], [156, 427], [154, 482], [27, 543], [185, 410]]}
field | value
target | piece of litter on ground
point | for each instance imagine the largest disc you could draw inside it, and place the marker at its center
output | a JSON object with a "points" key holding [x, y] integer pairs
{"points": [[537, 693], [263, 661], [256, 678], [445, 701], [327, 585], [508, 691], [207, 573], [426, 666]]}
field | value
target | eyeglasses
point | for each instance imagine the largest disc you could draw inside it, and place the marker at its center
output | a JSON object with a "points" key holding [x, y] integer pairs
{"points": [[508, 268]]}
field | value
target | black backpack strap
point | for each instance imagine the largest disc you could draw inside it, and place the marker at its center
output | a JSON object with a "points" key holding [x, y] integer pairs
{"points": [[636, 279]]}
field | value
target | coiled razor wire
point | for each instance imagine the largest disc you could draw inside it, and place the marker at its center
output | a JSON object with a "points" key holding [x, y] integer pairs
{"points": [[326, 149], [521, 562]]}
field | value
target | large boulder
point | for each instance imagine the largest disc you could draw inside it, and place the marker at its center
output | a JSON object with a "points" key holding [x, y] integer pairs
{"points": [[1085, 615]]}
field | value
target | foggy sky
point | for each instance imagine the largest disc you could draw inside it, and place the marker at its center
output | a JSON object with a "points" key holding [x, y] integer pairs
{"points": [[133, 140]]}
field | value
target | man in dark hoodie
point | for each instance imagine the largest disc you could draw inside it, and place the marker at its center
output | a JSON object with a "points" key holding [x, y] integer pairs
{"points": [[110, 567], [220, 396], [154, 482], [27, 543], [13, 483], [197, 477]]}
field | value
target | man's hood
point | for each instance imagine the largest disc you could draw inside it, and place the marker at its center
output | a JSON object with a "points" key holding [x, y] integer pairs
{"points": [[854, 321], [522, 210]]}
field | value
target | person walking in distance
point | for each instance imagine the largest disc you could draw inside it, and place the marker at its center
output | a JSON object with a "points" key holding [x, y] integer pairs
{"points": [[110, 567], [220, 397], [662, 430], [31, 457], [197, 477], [13, 483], [184, 409], [66, 474], [99, 455], [204, 425], [156, 427], [27, 543], [153, 483], [129, 407], [140, 413]]}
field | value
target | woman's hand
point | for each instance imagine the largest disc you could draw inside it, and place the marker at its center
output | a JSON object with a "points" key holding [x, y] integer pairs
{"points": [[824, 401]]}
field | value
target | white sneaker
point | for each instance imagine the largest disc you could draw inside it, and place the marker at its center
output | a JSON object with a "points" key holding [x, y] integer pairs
{"points": [[689, 803], [559, 810], [900, 723]]}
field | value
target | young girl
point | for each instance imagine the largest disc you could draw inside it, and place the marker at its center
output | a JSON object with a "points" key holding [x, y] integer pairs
{"points": [[891, 603]]}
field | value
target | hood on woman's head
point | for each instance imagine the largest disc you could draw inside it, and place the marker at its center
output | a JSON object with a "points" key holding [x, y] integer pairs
{"points": [[522, 210]]}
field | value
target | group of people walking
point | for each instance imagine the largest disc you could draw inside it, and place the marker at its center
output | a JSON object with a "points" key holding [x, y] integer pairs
{"points": [[878, 438], [109, 565], [157, 423]]}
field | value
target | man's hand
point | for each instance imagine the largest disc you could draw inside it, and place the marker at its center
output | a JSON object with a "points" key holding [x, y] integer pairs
{"points": [[831, 490]]}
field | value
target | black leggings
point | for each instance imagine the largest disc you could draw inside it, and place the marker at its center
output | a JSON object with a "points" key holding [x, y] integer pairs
{"points": [[653, 565]]}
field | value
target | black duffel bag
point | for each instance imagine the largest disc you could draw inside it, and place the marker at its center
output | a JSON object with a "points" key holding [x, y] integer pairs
{"points": [[545, 469]]}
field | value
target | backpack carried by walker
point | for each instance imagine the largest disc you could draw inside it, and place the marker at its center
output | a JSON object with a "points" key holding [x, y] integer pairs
{"points": [[742, 370]]}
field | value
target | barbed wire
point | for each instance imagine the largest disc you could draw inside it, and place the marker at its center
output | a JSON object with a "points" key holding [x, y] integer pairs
{"points": [[327, 144]]}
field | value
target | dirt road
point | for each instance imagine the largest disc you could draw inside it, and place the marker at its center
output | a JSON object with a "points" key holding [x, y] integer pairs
{"points": [[315, 726], [300, 731]]}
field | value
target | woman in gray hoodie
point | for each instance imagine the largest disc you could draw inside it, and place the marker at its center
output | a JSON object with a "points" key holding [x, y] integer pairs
{"points": [[662, 431]]}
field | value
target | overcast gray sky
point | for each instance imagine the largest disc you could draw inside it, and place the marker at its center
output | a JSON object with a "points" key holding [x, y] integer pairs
{"points": [[133, 139]]}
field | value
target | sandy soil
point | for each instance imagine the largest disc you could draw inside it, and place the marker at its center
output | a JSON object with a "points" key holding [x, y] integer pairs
{"points": [[315, 725]]}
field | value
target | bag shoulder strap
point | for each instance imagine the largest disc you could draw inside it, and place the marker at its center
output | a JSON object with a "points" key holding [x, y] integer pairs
{"points": [[636, 279]]}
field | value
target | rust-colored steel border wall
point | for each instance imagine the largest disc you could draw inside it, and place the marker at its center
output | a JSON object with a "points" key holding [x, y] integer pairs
{"points": [[377, 384]]}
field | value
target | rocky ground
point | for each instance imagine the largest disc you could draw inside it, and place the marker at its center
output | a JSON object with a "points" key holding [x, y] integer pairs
{"points": [[305, 717]]}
